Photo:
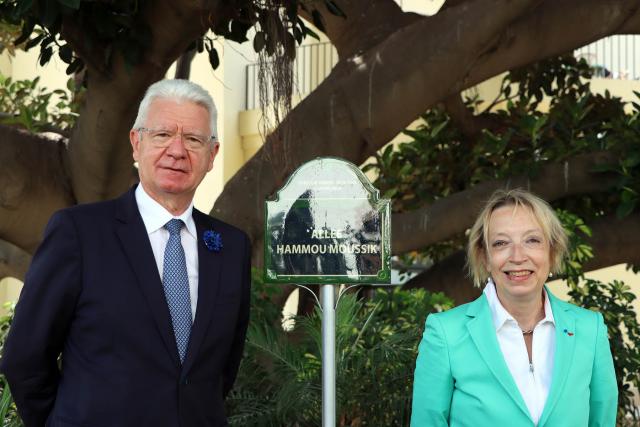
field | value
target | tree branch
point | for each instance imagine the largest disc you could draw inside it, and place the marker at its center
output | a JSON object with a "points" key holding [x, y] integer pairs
{"points": [[454, 214], [183, 66], [13, 261], [366, 23], [463, 118], [453, 3], [614, 241], [32, 185], [44, 127]]}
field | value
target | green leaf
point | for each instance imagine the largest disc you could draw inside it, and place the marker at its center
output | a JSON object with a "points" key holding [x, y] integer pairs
{"points": [[49, 14], [308, 31], [290, 46], [259, 41], [625, 208], [605, 167], [45, 55], [292, 10], [238, 31], [66, 54], [22, 7], [632, 161], [75, 66], [34, 41], [318, 20], [298, 34], [390, 193], [27, 29], [436, 130], [214, 59], [334, 8], [71, 4], [540, 122]]}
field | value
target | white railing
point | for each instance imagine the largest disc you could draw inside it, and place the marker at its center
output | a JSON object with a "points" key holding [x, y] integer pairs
{"points": [[616, 57]]}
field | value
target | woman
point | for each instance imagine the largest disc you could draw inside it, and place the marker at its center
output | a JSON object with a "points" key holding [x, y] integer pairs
{"points": [[517, 355]]}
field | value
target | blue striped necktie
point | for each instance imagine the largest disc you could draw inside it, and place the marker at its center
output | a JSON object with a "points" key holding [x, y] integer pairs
{"points": [[176, 286]]}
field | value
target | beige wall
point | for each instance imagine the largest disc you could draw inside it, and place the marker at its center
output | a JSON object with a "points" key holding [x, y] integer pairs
{"points": [[5, 65], [605, 275], [25, 66], [9, 292], [424, 7]]}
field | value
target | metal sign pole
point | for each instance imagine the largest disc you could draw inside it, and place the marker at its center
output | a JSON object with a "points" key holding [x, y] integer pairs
{"points": [[327, 297]]}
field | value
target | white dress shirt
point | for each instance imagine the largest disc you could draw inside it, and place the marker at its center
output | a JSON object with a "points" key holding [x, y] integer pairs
{"points": [[533, 380], [155, 216]]}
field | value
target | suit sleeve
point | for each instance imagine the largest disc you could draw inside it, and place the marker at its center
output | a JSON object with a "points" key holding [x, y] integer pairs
{"points": [[432, 381], [41, 321], [235, 355], [604, 390]]}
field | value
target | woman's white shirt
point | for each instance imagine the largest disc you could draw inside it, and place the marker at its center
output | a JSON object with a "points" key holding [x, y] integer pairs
{"points": [[533, 380]]}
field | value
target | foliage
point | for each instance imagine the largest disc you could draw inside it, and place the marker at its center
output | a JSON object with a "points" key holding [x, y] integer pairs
{"points": [[580, 251], [8, 33], [376, 346], [26, 104], [615, 301], [121, 27], [8, 411]]}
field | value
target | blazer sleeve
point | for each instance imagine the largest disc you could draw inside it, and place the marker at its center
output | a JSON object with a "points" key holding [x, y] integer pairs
{"points": [[432, 381], [604, 390], [235, 355], [41, 322]]}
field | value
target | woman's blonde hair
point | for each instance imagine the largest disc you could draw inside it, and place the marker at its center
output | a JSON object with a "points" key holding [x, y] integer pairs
{"points": [[552, 229]]}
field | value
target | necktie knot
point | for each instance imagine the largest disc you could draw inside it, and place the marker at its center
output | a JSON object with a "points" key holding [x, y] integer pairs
{"points": [[174, 226]]}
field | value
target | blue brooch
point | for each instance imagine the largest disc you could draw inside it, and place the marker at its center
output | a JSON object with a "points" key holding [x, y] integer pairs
{"points": [[212, 240]]}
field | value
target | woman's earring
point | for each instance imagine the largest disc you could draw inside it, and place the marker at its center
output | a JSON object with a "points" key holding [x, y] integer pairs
{"points": [[550, 274]]}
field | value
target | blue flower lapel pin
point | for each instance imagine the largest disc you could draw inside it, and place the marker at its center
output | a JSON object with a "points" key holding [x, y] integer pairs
{"points": [[212, 240], [568, 332]]}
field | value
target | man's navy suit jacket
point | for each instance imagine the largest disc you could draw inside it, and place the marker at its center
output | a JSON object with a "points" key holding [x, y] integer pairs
{"points": [[94, 294]]}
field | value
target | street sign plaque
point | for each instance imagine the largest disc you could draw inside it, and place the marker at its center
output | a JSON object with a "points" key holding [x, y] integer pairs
{"points": [[327, 225]]}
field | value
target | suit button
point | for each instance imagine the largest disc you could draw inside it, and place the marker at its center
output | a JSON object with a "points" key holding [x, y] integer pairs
{"points": [[185, 381]]}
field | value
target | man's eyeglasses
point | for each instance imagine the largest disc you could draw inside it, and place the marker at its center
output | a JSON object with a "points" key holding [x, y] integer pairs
{"points": [[162, 138]]}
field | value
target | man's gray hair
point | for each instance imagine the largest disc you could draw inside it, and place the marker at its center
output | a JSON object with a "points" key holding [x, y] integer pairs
{"points": [[181, 91]]}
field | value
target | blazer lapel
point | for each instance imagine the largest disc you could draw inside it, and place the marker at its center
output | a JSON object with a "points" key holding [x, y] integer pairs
{"points": [[483, 334], [565, 346], [135, 243], [209, 272]]}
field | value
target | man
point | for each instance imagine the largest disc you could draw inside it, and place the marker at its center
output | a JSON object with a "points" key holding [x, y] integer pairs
{"points": [[145, 298]]}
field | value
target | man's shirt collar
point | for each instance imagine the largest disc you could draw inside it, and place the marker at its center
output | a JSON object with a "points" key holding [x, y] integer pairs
{"points": [[155, 216]]}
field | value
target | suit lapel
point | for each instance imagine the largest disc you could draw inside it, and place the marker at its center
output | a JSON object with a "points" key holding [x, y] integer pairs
{"points": [[483, 334], [209, 270], [565, 346], [135, 244]]}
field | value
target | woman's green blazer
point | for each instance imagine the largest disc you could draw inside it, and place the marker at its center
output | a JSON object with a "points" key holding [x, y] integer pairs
{"points": [[462, 380]]}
